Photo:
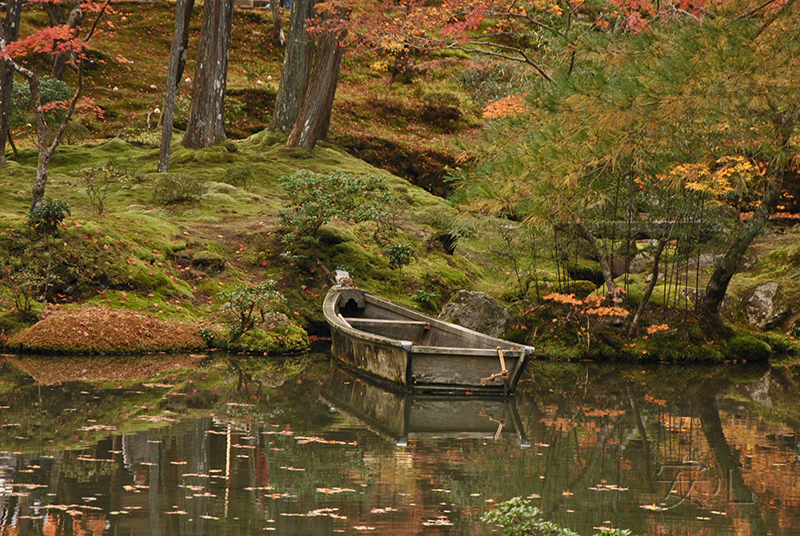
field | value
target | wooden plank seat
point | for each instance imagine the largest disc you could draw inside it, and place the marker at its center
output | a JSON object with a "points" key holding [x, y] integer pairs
{"points": [[378, 322]]}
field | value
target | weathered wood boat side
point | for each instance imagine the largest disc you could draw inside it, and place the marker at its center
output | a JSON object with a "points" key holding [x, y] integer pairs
{"points": [[413, 351], [400, 417]]}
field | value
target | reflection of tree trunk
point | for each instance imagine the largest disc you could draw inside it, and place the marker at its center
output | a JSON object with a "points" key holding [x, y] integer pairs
{"points": [[578, 481], [115, 499], [152, 493], [637, 417], [738, 491]]}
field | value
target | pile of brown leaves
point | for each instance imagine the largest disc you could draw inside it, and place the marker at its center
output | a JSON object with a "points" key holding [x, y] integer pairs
{"points": [[94, 330]]}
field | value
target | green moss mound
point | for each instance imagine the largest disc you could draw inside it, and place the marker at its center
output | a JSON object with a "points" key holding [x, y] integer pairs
{"points": [[283, 340], [748, 348], [100, 330]]}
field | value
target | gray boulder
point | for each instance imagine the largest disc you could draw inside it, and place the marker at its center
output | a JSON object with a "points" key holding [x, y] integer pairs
{"points": [[479, 312], [764, 308], [273, 320]]}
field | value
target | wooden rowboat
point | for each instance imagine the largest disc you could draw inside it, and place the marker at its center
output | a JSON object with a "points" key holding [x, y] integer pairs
{"points": [[410, 351]]}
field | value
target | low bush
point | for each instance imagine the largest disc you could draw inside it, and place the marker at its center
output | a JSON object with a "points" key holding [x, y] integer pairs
{"points": [[240, 176], [176, 188]]}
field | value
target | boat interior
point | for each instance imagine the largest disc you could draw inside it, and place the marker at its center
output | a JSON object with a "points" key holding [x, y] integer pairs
{"points": [[361, 313]]}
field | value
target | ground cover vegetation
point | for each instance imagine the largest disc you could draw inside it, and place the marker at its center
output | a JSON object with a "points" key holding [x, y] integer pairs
{"points": [[574, 141]]}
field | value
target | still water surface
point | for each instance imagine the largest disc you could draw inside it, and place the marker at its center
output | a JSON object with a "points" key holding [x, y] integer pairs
{"points": [[231, 448]]}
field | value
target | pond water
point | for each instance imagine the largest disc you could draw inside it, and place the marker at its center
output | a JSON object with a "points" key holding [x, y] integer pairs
{"points": [[232, 447]]}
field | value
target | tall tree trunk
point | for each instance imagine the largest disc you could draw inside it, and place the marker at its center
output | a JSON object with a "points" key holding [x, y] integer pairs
{"points": [[726, 267], [61, 60], [177, 60], [298, 59], [278, 39], [648, 292], [207, 117], [10, 33], [605, 267], [45, 152], [315, 116]]}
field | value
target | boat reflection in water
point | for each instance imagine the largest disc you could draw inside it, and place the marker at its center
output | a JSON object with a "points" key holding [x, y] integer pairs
{"points": [[400, 416]]}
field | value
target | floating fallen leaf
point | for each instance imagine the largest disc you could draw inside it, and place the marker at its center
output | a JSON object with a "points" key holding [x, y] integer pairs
{"points": [[330, 491], [383, 510], [607, 487], [440, 521]]}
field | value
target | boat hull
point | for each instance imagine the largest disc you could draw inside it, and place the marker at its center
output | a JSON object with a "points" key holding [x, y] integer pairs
{"points": [[400, 417], [409, 351]]}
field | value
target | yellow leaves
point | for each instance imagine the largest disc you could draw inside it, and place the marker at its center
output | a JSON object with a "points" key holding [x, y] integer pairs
{"points": [[380, 66], [728, 174]]}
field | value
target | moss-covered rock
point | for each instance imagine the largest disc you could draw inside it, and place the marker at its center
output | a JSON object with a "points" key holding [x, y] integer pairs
{"points": [[748, 348], [283, 340]]}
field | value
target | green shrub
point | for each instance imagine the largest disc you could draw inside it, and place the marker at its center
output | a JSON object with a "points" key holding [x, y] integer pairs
{"points": [[46, 218], [441, 98], [314, 200], [176, 188], [518, 518], [399, 254], [426, 299], [245, 301], [241, 176], [24, 283], [98, 179]]}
